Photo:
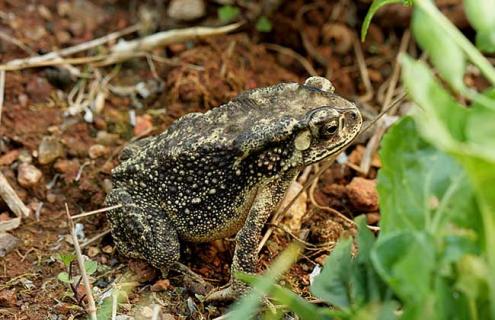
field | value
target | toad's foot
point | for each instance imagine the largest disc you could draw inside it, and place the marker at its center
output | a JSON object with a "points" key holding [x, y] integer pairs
{"points": [[229, 292]]}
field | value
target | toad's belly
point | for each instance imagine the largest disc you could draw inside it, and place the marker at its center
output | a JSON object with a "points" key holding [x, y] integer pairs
{"points": [[206, 225]]}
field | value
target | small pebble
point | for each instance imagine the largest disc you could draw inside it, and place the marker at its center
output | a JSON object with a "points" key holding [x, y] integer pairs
{"points": [[97, 150], [363, 194], [7, 243], [8, 298], [143, 125], [107, 249], [51, 198], [160, 285], [28, 175], [373, 217], [25, 156], [106, 138], [93, 252], [49, 149], [186, 10]]}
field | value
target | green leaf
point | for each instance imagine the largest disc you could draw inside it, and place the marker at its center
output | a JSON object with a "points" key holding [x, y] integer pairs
{"points": [[263, 24], [406, 261], [377, 4], [439, 112], [444, 53], [485, 40], [228, 13], [64, 277], [247, 307], [66, 258], [332, 284], [480, 13], [296, 304], [90, 266], [418, 185]]}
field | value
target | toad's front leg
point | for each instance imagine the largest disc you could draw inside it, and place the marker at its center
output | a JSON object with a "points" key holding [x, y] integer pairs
{"points": [[267, 199]]}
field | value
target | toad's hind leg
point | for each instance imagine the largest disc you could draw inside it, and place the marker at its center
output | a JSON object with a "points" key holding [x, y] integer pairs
{"points": [[142, 230]]}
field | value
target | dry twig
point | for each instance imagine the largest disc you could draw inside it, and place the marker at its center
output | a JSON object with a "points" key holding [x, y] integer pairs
{"points": [[91, 308], [89, 213], [374, 142], [283, 50]]}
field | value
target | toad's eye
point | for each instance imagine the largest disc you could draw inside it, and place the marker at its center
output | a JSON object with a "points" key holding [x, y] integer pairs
{"points": [[329, 129]]}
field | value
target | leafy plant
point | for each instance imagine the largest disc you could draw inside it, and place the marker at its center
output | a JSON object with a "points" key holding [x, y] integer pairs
{"points": [[263, 24], [228, 13], [434, 256], [67, 277]]}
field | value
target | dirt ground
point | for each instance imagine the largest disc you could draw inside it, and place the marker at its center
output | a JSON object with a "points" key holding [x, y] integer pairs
{"points": [[196, 76]]}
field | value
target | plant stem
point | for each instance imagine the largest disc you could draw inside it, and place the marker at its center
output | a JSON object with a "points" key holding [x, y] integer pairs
{"points": [[469, 49]]}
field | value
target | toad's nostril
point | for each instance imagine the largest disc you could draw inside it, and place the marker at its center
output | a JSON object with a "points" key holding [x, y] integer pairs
{"points": [[353, 115]]}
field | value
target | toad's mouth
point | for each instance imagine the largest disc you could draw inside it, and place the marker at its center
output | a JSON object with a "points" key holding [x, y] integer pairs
{"points": [[325, 153]]}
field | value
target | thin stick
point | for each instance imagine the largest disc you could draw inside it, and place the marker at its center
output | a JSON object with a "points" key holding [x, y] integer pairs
{"points": [[98, 236], [332, 210], [91, 308], [11, 199], [291, 53], [279, 214], [2, 91], [5, 37], [363, 70], [89, 213], [74, 49], [156, 312]]}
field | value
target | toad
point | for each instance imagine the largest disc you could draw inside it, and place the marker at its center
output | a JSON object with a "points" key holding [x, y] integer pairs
{"points": [[221, 173]]}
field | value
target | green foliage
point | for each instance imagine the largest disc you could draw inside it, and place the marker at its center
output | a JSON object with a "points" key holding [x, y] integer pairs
{"points": [[481, 14], [228, 13], [263, 24], [434, 257]]}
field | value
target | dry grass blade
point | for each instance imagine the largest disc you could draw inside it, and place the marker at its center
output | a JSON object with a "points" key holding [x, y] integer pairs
{"points": [[12, 200], [89, 213], [2, 91], [363, 70], [91, 308]]}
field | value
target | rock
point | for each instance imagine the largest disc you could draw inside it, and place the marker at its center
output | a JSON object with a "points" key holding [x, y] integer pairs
{"points": [[51, 198], [49, 149], [38, 89], [9, 157], [186, 10], [105, 138], [8, 298], [373, 217], [107, 249], [28, 175], [69, 168], [160, 285], [25, 156], [97, 150], [7, 243], [362, 194], [143, 125], [93, 252]]}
